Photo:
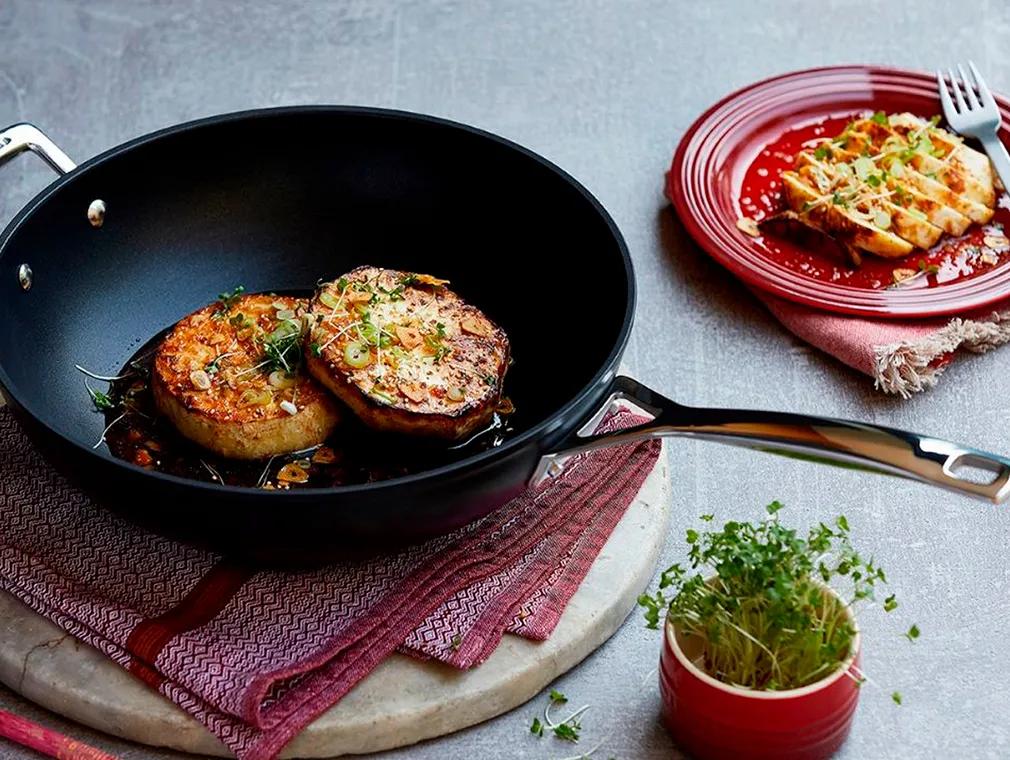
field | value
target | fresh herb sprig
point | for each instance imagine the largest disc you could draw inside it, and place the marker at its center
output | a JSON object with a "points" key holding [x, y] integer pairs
{"points": [[756, 595]]}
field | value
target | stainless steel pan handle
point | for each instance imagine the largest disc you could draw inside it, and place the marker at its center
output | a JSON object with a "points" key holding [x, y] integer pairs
{"points": [[871, 447], [21, 137]]}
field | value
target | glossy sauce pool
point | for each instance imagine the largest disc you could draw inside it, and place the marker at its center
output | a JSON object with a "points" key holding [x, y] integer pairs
{"points": [[354, 454], [813, 255]]}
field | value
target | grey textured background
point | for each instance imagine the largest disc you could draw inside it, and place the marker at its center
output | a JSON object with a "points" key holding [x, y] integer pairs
{"points": [[605, 89]]}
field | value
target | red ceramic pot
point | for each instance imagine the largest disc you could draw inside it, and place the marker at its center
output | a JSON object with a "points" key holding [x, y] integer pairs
{"points": [[710, 719]]}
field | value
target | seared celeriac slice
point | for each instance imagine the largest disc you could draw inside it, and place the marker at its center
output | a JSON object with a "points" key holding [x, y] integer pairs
{"points": [[229, 378], [889, 186], [406, 354]]}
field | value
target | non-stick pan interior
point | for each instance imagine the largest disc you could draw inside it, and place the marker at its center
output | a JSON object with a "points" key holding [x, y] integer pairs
{"points": [[277, 200]]}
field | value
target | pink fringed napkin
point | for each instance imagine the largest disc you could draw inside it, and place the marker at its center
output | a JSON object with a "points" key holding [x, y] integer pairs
{"points": [[902, 356], [255, 656]]}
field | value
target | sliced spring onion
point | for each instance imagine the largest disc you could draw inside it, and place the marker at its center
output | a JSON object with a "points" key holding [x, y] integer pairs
{"points": [[882, 219], [200, 379], [286, 314], [280, 379], [918, 214], [863, 167], [455, 394], [327, 299], [254, 397], [357, 355]]}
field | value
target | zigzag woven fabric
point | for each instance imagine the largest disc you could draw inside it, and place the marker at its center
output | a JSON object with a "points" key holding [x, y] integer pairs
{"points": [[257, 655]]}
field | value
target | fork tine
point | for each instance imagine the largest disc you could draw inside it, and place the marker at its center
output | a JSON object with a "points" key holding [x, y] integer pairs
{"points": [[948, 107], [969, 89], [983, 90], [961, 105]]}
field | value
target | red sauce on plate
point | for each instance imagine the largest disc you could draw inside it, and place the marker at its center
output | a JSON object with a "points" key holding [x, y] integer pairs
{"points": [[813, 255]]}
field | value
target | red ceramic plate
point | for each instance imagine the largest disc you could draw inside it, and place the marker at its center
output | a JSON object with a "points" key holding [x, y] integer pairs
{"points": [[727, 166]]}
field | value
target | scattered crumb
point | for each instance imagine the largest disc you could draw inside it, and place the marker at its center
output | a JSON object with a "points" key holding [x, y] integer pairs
{"points": [[748, 226], [901, 274]]}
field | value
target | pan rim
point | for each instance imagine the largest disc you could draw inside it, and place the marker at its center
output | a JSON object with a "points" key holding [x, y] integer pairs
{"points": [[477, 460]]}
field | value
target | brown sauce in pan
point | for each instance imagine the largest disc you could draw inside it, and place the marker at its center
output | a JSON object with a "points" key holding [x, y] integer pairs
{"points": [[353, 454]]}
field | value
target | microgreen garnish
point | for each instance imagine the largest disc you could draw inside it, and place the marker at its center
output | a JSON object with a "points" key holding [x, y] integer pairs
{"points": [[240, 320], [928, 268], [912, 633], [896, 697], [879, 118], [105, 432], [105, 378], [408, 279], [315, 349], [435, 344], [396, 294], [756, 595], [102, 401], [230, 297], [822, 152], [212, 367], [568, 731], [282, 349]]}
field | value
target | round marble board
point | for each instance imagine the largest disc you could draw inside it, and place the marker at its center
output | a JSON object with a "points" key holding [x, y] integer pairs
{"points": [[402, 702]]}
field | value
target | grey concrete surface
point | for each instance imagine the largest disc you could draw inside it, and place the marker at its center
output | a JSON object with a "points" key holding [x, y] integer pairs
{"points": [[605, 89]]}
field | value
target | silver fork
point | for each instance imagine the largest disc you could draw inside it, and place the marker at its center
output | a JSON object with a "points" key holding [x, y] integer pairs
{"points": [[975, 116]]}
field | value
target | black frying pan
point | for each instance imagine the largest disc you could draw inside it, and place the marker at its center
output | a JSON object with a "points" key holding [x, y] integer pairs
{"points": [[276, 199]]}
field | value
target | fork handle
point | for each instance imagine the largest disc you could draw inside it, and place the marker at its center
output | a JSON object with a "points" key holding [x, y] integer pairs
{"points": [[1000, 158]]}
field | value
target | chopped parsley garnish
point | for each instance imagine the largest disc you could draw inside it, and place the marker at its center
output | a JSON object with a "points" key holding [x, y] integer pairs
{"points": [[822, 152], [874, 180], [879, 118]]}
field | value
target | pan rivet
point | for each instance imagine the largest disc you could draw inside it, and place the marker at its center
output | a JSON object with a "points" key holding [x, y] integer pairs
{"points": [[96, 213], [25, 277]]}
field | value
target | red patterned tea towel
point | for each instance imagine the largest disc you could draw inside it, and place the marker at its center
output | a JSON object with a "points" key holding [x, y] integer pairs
{"points": [[256, 655], [903, 356]]}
